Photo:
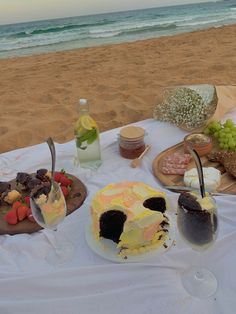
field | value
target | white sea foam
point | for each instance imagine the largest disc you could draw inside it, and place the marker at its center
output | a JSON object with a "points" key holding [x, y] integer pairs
{"points": [[105, 35]]}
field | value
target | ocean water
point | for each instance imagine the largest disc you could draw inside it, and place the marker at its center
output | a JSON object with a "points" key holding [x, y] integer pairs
{"points": [[88, 31]]}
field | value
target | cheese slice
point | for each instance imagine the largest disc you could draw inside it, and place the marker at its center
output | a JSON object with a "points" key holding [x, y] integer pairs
{"points": [[212, 178]]}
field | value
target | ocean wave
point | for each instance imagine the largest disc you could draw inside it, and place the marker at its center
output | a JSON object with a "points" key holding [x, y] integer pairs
{"points": [[132, 31], [162, 27], [59, 28], [77, 32], [31, 42], [209, 21], [36, 44], [105, 35]]}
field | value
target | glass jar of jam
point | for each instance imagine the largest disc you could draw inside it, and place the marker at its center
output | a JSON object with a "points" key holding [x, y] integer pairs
{"points": [[131, 142], [198, 141]]}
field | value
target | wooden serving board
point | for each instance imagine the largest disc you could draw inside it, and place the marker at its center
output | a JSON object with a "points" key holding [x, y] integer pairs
{"points": [[74, 200], [228, 183]]}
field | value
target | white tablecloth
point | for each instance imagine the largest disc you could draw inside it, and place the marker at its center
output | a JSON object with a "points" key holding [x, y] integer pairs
{"points": [[91, 284]]}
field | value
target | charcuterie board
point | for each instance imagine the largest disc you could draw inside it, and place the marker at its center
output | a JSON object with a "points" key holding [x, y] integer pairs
{"points": [[228, 182], [74, 200]]}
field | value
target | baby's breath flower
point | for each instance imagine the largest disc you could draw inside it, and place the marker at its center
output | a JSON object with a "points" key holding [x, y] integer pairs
{"points": [[182, 107]]}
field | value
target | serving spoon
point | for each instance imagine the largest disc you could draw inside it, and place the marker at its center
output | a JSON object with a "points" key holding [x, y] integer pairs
{"points": [[137, 161], [54, 187], [53, 155], [199, 170]]}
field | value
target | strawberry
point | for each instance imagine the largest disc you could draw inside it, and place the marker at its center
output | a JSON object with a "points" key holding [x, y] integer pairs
{"points": [[30, 215], [65, 181], [57, 176], [11, 217], [15, 205], [22, 212], [27, 200], [65, 191]]}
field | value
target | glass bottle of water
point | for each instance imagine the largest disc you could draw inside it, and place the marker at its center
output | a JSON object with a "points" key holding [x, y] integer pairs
{"points": [[87, 139]]}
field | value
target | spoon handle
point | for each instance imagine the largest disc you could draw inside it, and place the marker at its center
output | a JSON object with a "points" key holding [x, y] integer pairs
{"points": [[53, 155], [144, 152], [199, 170]]}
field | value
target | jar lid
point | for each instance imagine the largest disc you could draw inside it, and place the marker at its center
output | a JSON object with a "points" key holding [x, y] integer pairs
{"points": [[132, 133]]}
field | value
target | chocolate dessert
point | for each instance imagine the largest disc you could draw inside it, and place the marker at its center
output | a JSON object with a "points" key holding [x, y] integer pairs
{"points": [[155, 203], [111, 224], [22, 179], [42, 175], [32, 183], [5, 187], [197, 224]]}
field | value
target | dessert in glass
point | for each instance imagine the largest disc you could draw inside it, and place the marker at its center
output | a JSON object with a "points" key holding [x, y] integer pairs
{"points": [[49, 210], [198, 225]]}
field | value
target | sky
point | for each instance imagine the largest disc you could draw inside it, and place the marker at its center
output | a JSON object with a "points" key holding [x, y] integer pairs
{"points": [[14, 11]]}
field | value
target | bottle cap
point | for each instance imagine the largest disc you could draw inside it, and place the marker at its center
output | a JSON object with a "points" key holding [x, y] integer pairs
{"points": [[83, 101]]}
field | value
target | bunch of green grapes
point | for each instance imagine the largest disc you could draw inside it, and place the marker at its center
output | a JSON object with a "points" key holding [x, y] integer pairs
{"points": [[224, 133]]}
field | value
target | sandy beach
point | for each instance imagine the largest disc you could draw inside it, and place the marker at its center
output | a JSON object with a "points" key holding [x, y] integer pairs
{"points": [[39, 93]]}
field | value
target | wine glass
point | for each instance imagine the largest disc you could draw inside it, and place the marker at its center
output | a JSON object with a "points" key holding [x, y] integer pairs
{"points": [[197, 222], [49, 210], [198, 225]]}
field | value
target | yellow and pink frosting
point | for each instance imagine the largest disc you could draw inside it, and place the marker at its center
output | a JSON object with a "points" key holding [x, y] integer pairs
{"points": [[143, 228]]}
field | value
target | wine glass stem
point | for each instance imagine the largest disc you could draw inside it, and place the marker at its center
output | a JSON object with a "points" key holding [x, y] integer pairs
{"points": [[199, 275], [52, 239], [62, 249]]}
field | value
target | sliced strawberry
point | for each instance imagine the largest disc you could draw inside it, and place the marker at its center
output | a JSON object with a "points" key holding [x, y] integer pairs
{"points": [[65, 181], [15, 205], [57, 176], [30, 215], [11, 217], [22, 212], [27, 200], [65, 191]]}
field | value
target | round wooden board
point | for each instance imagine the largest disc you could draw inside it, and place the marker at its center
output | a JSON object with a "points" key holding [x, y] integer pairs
{"points": [[228, 183], [75, 199]]}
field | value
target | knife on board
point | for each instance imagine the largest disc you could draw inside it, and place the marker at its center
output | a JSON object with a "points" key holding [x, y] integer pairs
{"points": [[180, 188]]}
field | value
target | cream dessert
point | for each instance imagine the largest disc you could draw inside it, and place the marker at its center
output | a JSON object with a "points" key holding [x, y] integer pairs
{"points": [[132, 214], [49, 210]]}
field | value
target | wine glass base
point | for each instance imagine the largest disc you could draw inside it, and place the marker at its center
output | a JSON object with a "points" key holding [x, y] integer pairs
{"points": [[60, 254], [199, 282]]}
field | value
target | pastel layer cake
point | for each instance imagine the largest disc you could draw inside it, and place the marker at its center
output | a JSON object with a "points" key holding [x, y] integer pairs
{"points": [[132, 215]]}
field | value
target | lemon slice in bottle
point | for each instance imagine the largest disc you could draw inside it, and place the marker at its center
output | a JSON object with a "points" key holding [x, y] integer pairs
{"points": [[88, 123]]}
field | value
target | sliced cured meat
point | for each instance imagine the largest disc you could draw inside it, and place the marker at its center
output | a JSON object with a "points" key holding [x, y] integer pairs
{"points": [[172, 165], [175, 164], [169, 170], [178, 158]]}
